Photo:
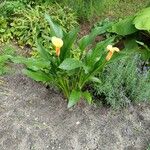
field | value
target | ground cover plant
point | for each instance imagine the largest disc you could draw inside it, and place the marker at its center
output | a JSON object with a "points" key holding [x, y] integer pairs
{"points": [[123, 83], [24, 23]]}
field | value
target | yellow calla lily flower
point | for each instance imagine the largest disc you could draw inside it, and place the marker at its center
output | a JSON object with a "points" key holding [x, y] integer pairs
{"points": [[58, 43], [111, 50]]}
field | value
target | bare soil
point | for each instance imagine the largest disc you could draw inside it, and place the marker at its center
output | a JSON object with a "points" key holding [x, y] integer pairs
{"points": [[33, 117]]}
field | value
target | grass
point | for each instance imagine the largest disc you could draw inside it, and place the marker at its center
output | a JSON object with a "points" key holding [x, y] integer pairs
{"points": [[116, 9], [100, 9]]}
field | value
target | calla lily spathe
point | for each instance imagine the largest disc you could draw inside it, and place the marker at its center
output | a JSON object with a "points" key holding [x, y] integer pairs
{"points": [[58, 43], [111, 50]]}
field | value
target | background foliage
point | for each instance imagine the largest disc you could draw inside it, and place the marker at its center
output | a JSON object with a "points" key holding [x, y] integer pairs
{"points": [[26, 23]]}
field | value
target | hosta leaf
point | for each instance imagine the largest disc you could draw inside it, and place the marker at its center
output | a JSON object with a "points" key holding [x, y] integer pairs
{"points": [[70, 64], [142, 19], [74, 98], [130, 45], [124, 27]]}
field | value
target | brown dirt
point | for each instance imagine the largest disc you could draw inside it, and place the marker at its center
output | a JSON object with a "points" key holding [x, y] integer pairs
{"points": [[33, 117]]}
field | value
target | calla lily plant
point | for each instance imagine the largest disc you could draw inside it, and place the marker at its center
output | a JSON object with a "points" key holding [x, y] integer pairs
{"points": [[62, 69]]}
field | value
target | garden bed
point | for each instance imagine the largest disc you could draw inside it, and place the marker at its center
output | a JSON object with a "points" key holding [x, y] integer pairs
{"points": [[70, 89], [34, 117]]}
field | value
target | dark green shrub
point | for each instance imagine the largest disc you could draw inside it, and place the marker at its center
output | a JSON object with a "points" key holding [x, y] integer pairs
{"points": [[123, 83]]}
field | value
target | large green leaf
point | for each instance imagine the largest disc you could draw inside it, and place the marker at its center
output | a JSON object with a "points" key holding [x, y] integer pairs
{"points": [[37, 75], [42, 51], [70, 64], [130, 45], [144, 51], [97, 52], [142, 20], [56, 30], [124, 27], [88, 39], [32, 63], [74, 98], [68, 39]]}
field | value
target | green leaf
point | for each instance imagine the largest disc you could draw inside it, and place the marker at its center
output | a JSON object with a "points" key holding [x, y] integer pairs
{"points": [[144, 45], [32, 63], [69, 39], [142, 19], [97, 52], [95, 79], [55, 29], [88, 39], [74, 98], [37, 76], [4, 58], [131, 44], [87, 97], [144, 51], [124, 27], [70, 64], [44, 54]]}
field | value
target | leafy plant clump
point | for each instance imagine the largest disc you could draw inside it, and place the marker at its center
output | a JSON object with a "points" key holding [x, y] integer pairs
{"points": [[123, 82], [72, 63]]}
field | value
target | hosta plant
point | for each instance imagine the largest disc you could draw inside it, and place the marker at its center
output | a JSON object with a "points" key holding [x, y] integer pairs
{"points": [[72, 63], [135, 31]]}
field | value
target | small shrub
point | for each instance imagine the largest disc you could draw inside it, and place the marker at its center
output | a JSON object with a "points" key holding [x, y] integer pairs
{"points": [[123, 82]]}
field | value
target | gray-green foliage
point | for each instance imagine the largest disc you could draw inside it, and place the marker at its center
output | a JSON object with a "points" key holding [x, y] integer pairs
{"points": [[148, 147], [123, 83]]}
